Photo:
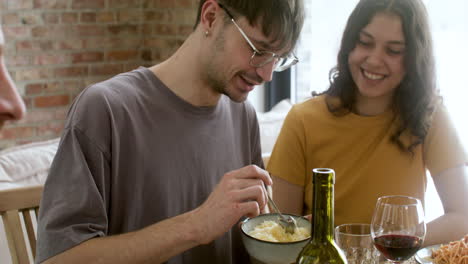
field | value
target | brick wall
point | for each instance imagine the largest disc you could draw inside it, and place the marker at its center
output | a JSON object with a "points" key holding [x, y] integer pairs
{"points": [[55, 48]]}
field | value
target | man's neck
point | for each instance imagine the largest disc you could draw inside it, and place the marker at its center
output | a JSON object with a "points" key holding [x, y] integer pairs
{"points": [[181, 73]]}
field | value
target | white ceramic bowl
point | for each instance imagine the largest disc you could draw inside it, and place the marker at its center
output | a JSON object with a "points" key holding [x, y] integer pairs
{"points": [[272, 252]]}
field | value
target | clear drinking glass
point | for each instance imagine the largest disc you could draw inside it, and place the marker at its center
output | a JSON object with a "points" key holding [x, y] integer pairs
{"points": [[398, 227], [356, 242]]}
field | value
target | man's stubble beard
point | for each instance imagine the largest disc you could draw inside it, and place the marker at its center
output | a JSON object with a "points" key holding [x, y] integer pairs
{"points": [[215, 76]]}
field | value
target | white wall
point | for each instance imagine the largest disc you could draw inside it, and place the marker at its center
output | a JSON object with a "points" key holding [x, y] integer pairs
{"points": [[257, 98], [319, 43]]}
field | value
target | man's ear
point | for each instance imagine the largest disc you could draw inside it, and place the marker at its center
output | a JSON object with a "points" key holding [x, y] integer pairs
{"points": [[209, 15]]}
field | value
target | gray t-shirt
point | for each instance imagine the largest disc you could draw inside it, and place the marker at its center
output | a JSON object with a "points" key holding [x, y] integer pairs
{"points": [[132, 154]]}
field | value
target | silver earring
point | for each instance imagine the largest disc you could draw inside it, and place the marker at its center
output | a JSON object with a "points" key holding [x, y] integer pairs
{"points": [[207, 33]]}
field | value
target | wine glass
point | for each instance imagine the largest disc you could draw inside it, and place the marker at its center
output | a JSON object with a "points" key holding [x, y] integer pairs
{"points": [[398, 227]]}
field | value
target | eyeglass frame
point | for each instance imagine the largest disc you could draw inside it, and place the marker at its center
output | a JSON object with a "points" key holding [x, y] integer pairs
{"points": [[256, 51]]}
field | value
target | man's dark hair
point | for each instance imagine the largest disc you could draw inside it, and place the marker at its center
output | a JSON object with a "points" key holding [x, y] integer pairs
{"points": [[282, 20]]}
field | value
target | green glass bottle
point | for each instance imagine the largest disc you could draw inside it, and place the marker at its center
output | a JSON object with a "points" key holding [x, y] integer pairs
{"points": [[322, 249]]}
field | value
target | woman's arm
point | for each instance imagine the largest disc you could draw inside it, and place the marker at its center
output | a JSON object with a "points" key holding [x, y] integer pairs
{"points": [[287, 196], [452, 186]]}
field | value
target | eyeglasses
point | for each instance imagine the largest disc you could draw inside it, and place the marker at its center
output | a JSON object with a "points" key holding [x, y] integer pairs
{"points": [[262, 58]]}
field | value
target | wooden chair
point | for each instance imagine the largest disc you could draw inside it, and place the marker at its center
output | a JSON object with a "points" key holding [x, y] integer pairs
{"points": [[15, 204]]}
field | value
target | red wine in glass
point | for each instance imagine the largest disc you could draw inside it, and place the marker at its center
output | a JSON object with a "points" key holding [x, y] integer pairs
{"points": [[398, 227], [398, 247]]}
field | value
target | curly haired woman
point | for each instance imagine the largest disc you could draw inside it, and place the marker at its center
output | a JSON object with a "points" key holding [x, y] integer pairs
{"points": [[381, 125]]}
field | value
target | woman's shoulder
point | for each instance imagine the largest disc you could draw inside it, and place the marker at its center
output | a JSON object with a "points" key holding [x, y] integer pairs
{"points": [[440, 117], [440, 111], [312, 106]]}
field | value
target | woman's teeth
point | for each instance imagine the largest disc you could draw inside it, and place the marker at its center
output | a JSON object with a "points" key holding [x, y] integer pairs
{"points": [[373, 76]]}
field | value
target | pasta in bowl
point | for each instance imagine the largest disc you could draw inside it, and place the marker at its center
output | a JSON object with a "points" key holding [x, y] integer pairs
{"points": [[272, 231], [455, 252], [266, 241]]}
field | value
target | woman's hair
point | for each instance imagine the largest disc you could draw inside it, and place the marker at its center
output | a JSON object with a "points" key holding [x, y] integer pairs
{"points": [[416, 96]]}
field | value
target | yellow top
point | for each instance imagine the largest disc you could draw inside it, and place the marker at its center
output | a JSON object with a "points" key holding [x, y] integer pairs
{"points": [[367, 164]]}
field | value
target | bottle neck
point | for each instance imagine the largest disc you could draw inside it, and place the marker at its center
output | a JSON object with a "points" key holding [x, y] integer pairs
{"points": [[323, 207]]}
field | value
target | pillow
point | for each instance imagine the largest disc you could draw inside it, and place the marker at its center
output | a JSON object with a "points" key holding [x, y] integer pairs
{"points": [[270, 125], [26, 164]]}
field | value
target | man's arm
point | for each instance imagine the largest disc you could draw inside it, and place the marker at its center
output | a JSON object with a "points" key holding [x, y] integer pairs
{"points": [[452, 186], [153, 244], [239, 193]]}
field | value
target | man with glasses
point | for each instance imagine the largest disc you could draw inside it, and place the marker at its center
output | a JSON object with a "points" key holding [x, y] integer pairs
{"points": [[159, 164]]}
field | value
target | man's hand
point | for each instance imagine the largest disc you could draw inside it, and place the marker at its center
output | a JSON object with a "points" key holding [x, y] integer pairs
{"points": [[239, 193]]}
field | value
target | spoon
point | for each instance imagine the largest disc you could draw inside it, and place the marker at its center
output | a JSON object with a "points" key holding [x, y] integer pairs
{"points": [[287, 222]]}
